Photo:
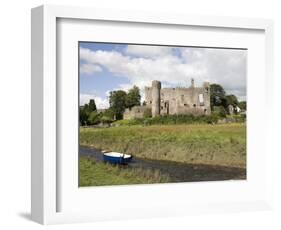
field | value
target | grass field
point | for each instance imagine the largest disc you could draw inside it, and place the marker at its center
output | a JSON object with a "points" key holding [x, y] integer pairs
{"points": [[96, 174], [223, 144]]}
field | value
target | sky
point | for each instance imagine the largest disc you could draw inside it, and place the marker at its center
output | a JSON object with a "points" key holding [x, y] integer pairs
{"points": [[105, 67]]}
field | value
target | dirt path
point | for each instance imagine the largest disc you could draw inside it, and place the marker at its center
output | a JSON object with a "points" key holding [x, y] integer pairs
{"points": [[178, 172]]}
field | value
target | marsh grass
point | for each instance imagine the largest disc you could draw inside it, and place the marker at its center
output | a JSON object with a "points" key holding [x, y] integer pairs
{"points": [[171, 120], [93, 173], [223, 144]]}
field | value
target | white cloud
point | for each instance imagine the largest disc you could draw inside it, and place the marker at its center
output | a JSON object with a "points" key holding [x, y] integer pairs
{"points": [[223, 66], [141, 71], [89, 68], [148, 51], [101, 103], [227, 67]]}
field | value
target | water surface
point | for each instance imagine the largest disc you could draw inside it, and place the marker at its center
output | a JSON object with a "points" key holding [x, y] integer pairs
{"points": [[178, 172]]}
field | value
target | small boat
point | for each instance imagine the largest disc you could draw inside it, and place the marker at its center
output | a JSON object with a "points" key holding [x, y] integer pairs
{"points": [[116, 158]]}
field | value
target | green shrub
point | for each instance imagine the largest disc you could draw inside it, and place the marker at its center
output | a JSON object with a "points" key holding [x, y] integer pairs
{"points": [[219, 111], [105, 119], [240, 117], [94, 118], [108, 113], [170, 120], [243, 115], [128, 122], [212, 119], [147, 113]]}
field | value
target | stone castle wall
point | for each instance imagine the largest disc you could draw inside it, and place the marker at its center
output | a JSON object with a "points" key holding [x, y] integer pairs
{"points": [[135, 112], [192, 100]]}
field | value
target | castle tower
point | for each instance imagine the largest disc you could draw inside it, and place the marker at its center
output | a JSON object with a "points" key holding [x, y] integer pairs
{"points": [[192, 83], [206, 86], [156, 87], [207, 97]]}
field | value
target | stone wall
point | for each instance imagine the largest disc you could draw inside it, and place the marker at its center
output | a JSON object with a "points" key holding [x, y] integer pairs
{"points": [[135, 112], [195, 100], [191, 100]]}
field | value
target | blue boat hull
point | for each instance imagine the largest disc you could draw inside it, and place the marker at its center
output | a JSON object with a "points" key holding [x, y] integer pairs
{"points": [[117, 160]]}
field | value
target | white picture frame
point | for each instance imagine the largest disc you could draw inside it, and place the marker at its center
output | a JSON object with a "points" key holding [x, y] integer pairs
{"points": [[56, 201]]}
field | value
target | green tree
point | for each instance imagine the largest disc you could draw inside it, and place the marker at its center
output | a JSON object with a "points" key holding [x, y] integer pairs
{"points": [[231, 100], [109, 113], [84, 115], [105, 119], [85, 111], [242, 105], [219, 111], [133, 97], [92, 105], [94, 118], [117, 102], [217, 96], [86, 107]]}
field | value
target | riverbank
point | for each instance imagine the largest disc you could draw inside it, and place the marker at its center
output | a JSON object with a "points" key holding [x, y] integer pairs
{"points": [[214, 145], [93, 172]]}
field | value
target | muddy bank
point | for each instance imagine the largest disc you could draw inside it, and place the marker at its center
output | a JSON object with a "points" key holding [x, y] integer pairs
{"points": [[178, 172]]}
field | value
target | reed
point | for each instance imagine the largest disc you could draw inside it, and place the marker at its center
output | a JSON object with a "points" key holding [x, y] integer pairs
{"points": [[220, 144], [92, 173]]}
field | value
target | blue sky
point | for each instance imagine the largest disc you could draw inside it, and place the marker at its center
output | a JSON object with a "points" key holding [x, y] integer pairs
{"points": [[105, 67], [99, 83]]}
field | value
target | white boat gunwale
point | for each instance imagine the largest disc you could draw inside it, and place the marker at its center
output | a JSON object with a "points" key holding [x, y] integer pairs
{"points": [[116, 154]]}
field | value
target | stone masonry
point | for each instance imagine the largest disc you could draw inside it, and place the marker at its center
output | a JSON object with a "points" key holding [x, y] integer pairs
{"points": [[179, 100]]}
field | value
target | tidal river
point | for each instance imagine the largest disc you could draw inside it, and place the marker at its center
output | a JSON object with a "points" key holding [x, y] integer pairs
{"points": [[178, 172]]}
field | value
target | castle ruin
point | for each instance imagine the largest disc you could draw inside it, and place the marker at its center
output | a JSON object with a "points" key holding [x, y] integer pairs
{"points": [[169, 101]]}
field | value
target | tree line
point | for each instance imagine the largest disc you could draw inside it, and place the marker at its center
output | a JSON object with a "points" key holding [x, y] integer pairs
{"points": [[220, 100], [119, 100]]}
